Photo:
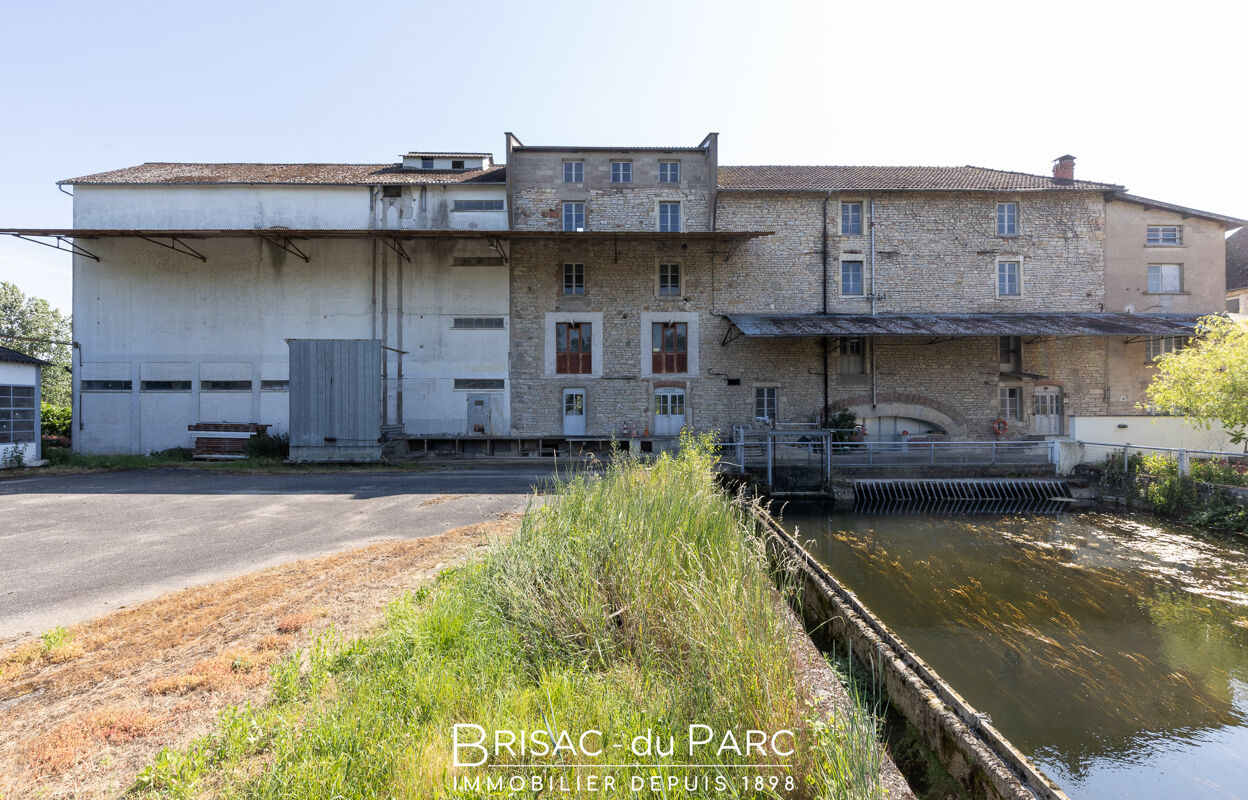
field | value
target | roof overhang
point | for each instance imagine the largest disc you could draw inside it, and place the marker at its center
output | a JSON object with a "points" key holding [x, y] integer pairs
{"points": [[962, 325], [375, 233]]}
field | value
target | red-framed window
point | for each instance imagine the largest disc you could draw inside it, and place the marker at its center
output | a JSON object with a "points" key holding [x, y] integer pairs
{"points": [[574, 348], [669, 344]]}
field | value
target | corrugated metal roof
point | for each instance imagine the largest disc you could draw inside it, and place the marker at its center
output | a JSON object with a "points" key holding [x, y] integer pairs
{"points": [[863, 178], [959, 325], [14, 357], [292, 174]]}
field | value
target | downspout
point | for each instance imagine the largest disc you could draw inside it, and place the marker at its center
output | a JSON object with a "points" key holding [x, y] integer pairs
{"points": [[871, 225], [824, 340]]}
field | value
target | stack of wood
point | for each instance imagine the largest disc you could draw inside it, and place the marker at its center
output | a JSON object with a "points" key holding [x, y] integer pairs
{"points": [[219, 440]]}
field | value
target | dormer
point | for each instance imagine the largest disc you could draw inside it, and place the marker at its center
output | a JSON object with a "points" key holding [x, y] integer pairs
{"points": [[447, 162]]}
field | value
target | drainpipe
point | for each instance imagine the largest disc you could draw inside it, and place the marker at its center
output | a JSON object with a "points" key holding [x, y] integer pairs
{"points": [[824, 340], [871, 225]]}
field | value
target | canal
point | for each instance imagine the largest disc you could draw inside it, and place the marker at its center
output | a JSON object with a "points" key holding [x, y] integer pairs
{"points": [[1112, 650]]}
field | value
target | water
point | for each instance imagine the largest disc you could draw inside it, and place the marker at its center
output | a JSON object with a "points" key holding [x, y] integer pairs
{"points": [[1112, 650]]}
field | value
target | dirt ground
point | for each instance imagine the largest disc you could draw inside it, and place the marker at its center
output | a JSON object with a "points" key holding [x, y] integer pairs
{"points": [[81, 712]]}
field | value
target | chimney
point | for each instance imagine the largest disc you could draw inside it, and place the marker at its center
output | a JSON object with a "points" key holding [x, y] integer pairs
{"points": [[1064, 169]]}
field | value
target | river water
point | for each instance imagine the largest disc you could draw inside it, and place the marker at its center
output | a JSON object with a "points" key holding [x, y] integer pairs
{"points": [[1112, 650]]}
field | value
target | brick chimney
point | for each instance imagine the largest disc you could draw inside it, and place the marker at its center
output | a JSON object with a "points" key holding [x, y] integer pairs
{"points": [[1064, 169]]}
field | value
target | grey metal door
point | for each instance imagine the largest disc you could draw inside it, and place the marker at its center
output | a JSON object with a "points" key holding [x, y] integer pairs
{"points": [[479, 415], [573, 412], [335, 399]]}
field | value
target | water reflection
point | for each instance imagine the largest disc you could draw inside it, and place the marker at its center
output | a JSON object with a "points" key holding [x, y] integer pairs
{"points": [[1112, 650]]}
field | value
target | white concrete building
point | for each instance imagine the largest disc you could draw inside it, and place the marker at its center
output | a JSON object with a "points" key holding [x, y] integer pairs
{"points": [[190, 278], [19, 408]]}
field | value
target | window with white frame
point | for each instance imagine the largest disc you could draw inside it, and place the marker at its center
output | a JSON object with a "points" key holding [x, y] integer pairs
{"points": [[621, 172], [852, 284], [574, 172], [574, 279], [1007, 219], [574, 216], [669, 172], [1160, 345], [669, 280], [1009, 279], [851, 218], [1010, 402], [669, 217], [853, 356], [1165, 278], [18, 416], [1163, 235], [765, 403]]}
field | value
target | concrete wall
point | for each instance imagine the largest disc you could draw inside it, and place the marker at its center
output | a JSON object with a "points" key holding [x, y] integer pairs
{"points": [[22, 375], [431, 207], [538, 191], [1148, 431], [1128, 254], [144, 313]]}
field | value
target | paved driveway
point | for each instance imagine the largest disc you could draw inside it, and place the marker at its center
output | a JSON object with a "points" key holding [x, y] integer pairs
{"points": [[76, 546]]}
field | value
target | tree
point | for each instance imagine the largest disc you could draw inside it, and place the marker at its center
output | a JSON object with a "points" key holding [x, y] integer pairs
{"points": [[1209, 379], [35, 318]]}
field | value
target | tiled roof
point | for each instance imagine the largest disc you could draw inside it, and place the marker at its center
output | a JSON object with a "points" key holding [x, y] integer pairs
{"points": [[1237, 260], [294, 174], [779, 178], [14, 357]]}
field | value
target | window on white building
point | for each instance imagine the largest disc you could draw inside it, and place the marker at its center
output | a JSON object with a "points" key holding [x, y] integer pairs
{"points": [[1163, 235], [17, 414]]}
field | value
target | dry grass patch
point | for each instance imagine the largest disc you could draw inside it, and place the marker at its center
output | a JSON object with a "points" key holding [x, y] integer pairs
{"points": [[163, 670]]}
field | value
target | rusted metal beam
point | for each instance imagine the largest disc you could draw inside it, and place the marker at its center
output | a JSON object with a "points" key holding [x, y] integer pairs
{"points": [[283, 243], [397, 247], [177, 246], [70, 247]]}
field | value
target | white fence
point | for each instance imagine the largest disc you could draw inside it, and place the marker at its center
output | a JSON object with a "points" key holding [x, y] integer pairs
{"points": [[1127, 458]]}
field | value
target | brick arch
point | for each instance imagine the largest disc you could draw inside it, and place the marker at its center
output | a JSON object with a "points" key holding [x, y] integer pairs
{"points": [[896, 404]]}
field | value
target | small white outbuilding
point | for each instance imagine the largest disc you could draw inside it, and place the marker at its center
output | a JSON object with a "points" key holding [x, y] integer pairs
{"points": [[19, 408]]}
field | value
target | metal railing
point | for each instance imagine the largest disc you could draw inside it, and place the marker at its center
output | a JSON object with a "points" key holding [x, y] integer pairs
{"points": [[1124, 458]]}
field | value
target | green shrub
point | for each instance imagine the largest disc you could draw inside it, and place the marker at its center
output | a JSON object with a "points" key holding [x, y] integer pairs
{"points": [[57, 420], [272, 447]]}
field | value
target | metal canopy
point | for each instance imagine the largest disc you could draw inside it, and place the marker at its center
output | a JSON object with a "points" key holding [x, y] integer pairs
{"points": [[370, 233], [963, 325]]}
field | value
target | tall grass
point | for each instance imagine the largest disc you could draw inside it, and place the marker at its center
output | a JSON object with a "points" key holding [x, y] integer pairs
{"points": [[637, 602]]}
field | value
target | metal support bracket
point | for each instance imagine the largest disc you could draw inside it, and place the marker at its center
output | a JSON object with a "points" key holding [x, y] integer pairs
{"points": [[496, 242], [283, 243], [177, 246], [397, 247], [731, 335], [941, 340], [69, 246]]}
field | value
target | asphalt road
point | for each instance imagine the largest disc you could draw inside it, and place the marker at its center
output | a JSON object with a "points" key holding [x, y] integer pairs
{"points": [[76, 546]]}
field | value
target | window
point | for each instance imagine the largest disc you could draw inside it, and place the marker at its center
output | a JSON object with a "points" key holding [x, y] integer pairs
{"points": [[851, 219], [765, 403], [392, 191], [669, 345], [477, 205], [573, 348], [426, 163], [669, 280], [669, 404], [852, 360], [457, 164], [225, 386], [1009, 279], [106, 386], [1007, 219], [1165, 278], [669, 172], [165, 386], [851, 279], [1010, 351], [621, 172], [574, 216], [275, 386], [669, 217], [574, 172], [1160, 345], [1165, 235], [1232, 305], [1009, 404], [17, 414], [574, 279], [478, 384], [478, 323]]}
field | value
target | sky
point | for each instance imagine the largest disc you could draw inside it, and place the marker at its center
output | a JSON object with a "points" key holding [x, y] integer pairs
{"points": [[1145, 94]]}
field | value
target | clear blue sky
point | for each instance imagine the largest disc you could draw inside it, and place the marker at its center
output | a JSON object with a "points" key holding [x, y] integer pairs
{"points": [[1146, 94]]}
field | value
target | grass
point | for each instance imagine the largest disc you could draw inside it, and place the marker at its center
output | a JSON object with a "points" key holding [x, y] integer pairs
{"points": [[635, 604], [64, 460]]}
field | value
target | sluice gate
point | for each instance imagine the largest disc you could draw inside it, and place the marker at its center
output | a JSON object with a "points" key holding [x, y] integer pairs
{"points": [[962, 496]]}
